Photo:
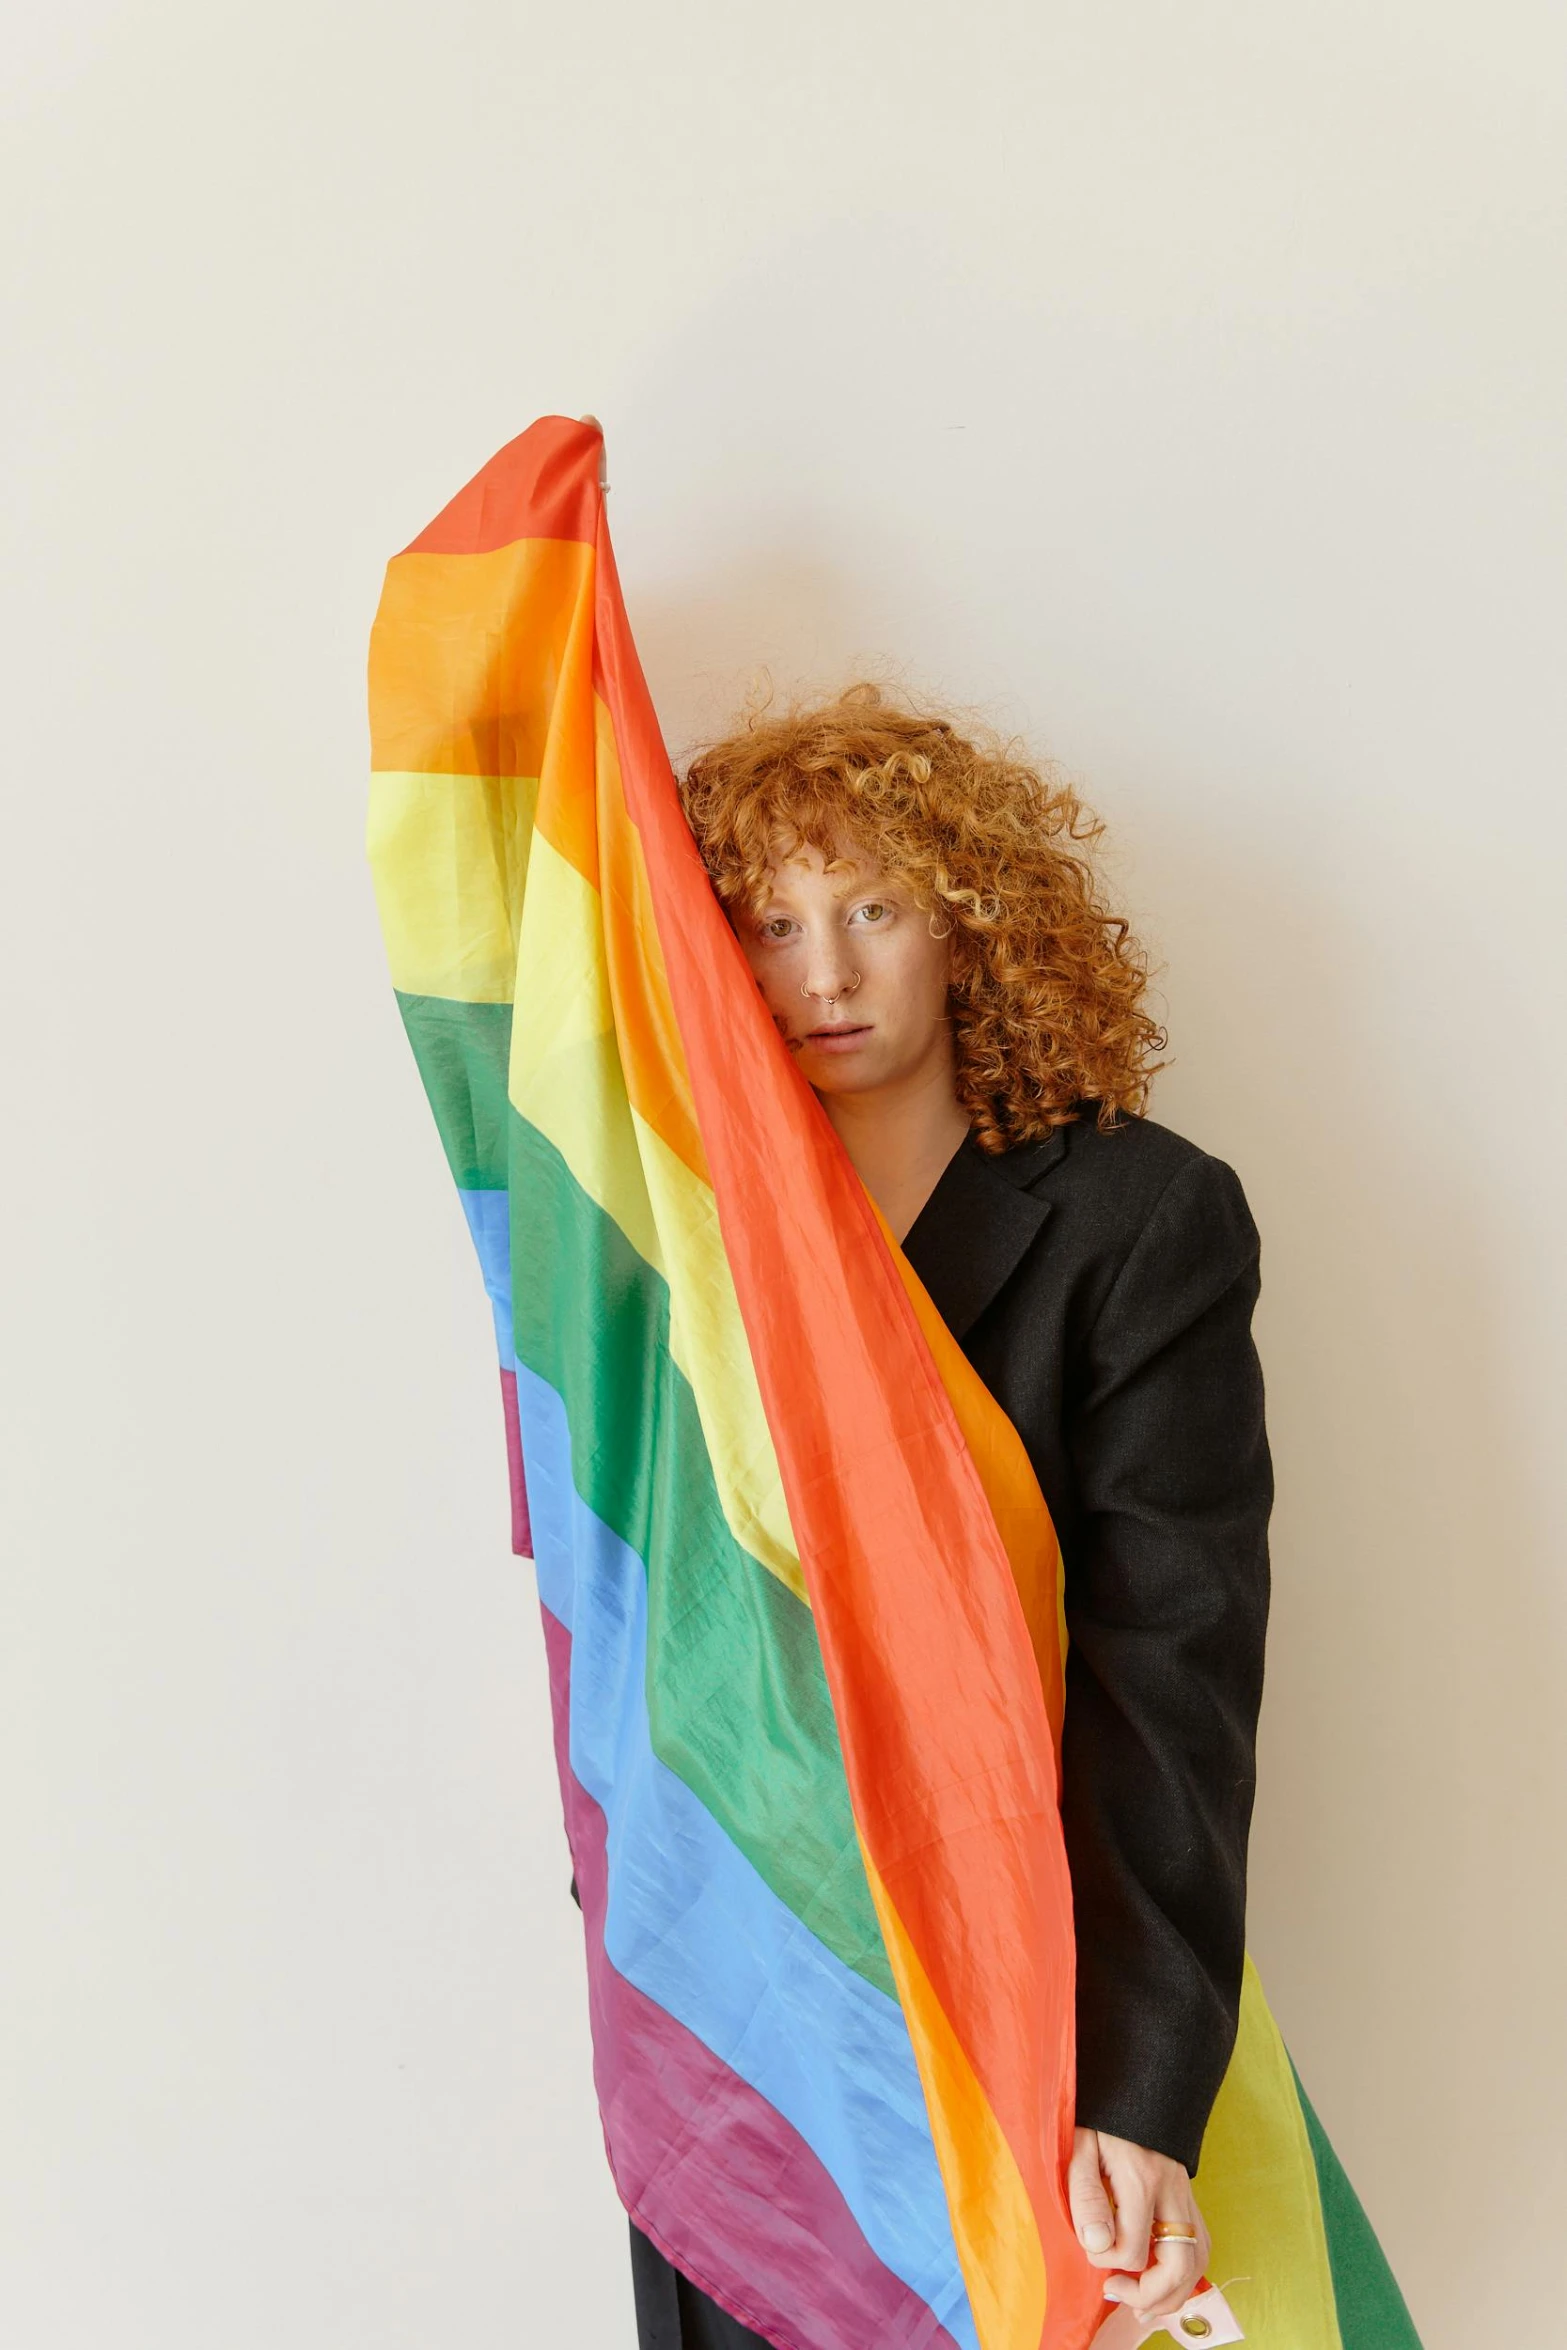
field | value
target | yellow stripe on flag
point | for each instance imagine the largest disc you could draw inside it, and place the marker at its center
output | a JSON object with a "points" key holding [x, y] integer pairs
{"points": [[450, 854], [566, 1080], [1257, 2185]]}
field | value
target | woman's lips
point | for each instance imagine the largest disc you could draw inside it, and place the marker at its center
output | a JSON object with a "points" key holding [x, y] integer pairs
{"points": [[837, 1040]]}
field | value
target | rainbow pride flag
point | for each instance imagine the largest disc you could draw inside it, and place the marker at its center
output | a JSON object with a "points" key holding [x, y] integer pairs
{"points": [[800, 1589]]}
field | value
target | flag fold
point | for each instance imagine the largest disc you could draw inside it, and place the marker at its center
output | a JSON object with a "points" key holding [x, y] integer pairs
{"points": [[799, 1587]]}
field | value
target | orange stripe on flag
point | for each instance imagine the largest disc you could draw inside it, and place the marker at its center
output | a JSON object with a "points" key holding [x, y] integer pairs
{"points": [[466, 655]]}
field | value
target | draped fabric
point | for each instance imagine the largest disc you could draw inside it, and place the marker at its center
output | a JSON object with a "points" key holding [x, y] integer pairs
{"points": [[799, 1587]]}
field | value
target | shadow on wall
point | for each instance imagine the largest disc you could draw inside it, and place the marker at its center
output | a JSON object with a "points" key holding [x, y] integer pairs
{"points": [[1395, 1886]]}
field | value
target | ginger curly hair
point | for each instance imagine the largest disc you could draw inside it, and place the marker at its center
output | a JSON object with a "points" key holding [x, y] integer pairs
{"points": [[1047, 983]]}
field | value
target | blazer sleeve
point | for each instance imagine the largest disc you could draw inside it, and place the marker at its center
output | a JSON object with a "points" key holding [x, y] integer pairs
{"points": [[1166, 1604]]}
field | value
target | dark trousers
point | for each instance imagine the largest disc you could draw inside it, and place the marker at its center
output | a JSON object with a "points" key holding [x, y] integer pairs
{"points": [[674, 2314]]}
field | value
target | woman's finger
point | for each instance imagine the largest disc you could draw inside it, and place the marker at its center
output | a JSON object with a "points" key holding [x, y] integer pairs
{"points": [[1093, 2213], [1165, 2283], [1133, 2221]]}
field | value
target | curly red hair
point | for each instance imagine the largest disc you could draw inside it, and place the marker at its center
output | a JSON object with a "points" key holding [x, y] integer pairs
{"points": [[1048, 985]]}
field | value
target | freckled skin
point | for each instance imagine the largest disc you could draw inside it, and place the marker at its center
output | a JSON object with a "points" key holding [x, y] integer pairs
{"points": [[818, 930], [846, 950]]}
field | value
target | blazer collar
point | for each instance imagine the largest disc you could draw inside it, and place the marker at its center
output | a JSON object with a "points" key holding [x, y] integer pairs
{"points": [[975, 1227]]}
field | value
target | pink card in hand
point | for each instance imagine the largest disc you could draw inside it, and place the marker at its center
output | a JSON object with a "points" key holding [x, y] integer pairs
{"points": [[1203, 2322]]}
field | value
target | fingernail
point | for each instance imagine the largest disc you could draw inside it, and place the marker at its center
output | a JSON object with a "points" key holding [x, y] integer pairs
{"points": [[1098, 2236]]}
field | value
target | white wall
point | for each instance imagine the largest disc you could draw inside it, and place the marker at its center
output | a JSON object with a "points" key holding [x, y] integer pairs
{"points": [[1182, 385]]}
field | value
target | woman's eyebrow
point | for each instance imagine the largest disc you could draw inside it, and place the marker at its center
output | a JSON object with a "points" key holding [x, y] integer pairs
{"points": [[856, 882]]}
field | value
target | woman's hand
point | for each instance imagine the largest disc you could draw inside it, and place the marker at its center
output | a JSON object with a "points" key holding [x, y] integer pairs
{"points": [[1117, 2191]]}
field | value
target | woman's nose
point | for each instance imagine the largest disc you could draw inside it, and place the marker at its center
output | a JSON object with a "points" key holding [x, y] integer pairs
{"points": [[827, 968]]}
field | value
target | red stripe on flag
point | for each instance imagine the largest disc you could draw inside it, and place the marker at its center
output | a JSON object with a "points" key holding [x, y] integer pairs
{"points": [[542, 485]]}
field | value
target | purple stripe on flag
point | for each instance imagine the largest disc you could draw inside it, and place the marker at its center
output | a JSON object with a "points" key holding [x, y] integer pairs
{"points": [[725, 2187]]}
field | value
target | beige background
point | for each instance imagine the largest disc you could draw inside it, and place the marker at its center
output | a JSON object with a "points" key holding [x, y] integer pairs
{"points": [[1183, 385]]}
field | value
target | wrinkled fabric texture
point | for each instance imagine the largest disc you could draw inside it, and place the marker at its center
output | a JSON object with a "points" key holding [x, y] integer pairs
{"points": [[1119, 1344], [1103, 1284], [800, 1588], [1111, 1317], [672, 2313]]}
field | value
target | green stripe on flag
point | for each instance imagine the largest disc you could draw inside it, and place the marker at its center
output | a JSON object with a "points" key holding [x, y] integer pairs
{"points": [[462, 1051], [1371, 2310], [737, 1694]]}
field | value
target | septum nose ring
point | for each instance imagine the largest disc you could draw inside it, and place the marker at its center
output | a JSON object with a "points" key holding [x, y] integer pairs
{"points": [[832, 999]]}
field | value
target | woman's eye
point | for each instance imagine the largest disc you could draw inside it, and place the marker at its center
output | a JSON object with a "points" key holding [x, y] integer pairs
{"points": [[875, 910]]}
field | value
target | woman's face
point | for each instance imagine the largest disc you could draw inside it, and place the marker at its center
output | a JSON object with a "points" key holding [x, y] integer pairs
{"points": [[852, 973]]}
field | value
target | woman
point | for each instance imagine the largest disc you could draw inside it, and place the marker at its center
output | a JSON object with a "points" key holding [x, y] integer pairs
{"points": [[927, 932]]}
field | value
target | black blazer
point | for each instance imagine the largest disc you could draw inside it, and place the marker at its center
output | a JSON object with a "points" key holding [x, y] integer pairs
{"points": [[1102, 1285]]}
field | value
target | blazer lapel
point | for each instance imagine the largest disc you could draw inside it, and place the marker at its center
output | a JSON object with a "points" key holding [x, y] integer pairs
{"points": [[977, 1224]]}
